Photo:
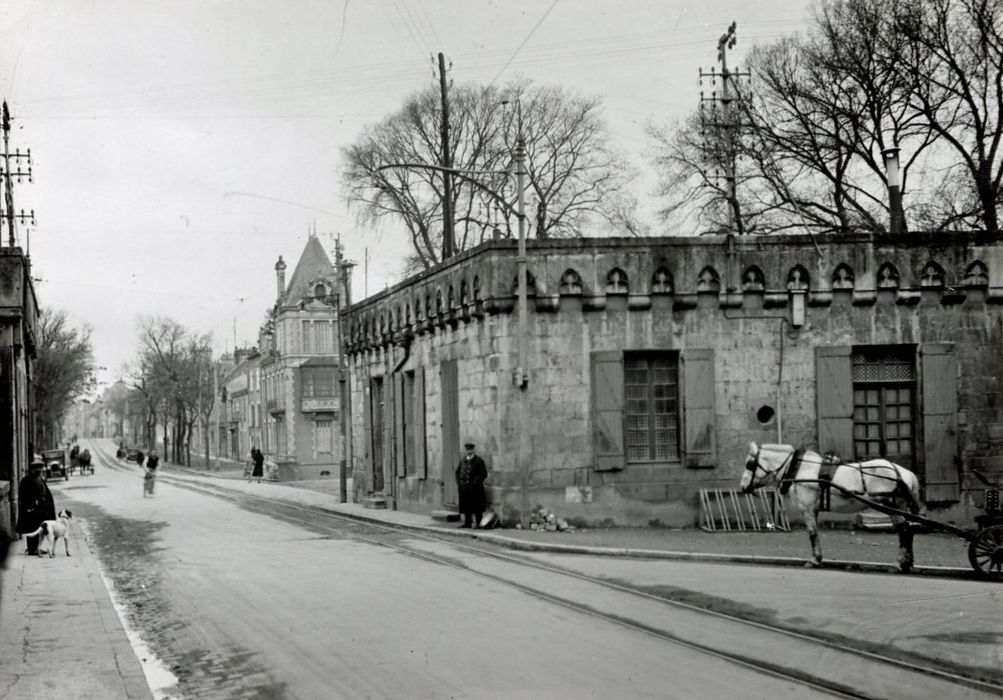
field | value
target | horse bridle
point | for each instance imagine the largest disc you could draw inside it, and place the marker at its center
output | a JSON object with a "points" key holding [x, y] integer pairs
{"points": [[752, 465]]}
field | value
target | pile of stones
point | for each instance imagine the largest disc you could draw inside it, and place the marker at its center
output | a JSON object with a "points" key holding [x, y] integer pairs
{"points": [[545, 519]]}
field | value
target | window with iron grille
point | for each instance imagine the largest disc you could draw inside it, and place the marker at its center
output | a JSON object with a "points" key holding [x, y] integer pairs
{"points": [[651, 410], [884, 393]]}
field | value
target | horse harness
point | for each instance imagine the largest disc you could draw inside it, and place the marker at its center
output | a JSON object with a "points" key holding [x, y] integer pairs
{"points": [[790, 467]]}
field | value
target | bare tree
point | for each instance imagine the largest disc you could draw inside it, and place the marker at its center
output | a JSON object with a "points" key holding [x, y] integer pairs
{"points": [[810, 133], [953, 55], [170, 373], [63, 371], [574, 176]]}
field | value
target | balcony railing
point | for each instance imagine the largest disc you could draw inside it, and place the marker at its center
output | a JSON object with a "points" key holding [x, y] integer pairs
{"points": [[318, 404]]}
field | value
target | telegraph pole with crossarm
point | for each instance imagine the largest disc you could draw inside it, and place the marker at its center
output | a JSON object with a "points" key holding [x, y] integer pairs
{"points": [[8, 176], [721, 121]]}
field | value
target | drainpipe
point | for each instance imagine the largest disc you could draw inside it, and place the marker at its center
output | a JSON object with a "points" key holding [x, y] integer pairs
{"points": [[522, 371]]}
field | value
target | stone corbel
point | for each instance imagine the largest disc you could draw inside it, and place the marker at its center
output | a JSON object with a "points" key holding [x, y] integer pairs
{"points": [[865, 297], [908, 297]]}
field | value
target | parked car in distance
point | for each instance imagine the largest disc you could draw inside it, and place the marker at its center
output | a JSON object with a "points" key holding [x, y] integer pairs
{"points": [[132, 454], [55, 464]]}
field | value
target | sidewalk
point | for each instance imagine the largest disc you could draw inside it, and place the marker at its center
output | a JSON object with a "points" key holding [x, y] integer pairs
{"points": [[60, 636]]}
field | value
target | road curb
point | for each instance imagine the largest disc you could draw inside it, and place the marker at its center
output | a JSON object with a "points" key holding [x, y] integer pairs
{"points": [[550, 547]]}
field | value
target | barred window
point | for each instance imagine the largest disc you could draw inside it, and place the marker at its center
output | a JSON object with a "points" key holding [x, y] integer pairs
{"points": [[884, 390], [651, 393]]}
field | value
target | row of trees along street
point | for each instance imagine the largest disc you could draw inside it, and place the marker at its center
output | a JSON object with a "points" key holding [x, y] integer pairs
{"points": [[170, 384], [62, 373], [803, 136]]}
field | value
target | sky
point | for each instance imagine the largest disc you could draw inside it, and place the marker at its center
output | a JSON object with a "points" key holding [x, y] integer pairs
{"points": [[179, 148]]}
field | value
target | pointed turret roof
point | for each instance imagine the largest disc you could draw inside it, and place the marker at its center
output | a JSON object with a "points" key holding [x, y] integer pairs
{"points": [[313, 263]]}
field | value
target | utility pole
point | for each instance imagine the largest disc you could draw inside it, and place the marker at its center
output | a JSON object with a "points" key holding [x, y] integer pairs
{"points": [[344, 283], [448, 238], [8, 212], [723, 121], [217, 404]]}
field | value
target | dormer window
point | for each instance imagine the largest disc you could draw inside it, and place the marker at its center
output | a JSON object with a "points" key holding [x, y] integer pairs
{"points": [[319, 290]]}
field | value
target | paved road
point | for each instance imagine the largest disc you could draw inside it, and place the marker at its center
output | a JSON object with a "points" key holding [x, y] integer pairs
{"points": [[234, 603]]}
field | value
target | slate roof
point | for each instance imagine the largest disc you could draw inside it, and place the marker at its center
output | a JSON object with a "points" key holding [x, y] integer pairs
{"points": [[313, 263]]}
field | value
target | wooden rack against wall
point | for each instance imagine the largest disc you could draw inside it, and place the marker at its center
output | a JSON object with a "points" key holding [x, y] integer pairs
{"points": [[728, 510]]}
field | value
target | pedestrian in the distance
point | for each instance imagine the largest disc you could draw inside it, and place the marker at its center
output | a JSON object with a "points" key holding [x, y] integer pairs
{"points": [[150, 478], [34, 504], [470, 475], [259, 464]]}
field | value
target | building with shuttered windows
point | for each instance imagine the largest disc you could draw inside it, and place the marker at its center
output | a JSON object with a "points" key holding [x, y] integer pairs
{"points": [[651, 363]]}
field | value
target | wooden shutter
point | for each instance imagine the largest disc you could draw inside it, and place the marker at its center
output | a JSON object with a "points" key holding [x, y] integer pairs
{"points": [[398, 429], [450, 400], [698, 409], [420, 460], [607, 410], [834, 400], [940, 421]]}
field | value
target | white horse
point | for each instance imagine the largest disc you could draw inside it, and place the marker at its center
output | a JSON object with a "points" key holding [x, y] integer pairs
{"points": [[877, 480]]}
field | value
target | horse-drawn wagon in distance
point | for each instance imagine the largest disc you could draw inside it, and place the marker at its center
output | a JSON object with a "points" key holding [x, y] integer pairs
{"points": [[81, 460], [816, 483]]}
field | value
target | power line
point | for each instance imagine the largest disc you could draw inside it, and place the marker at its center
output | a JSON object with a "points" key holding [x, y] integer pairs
{"points": [[528, 37]]}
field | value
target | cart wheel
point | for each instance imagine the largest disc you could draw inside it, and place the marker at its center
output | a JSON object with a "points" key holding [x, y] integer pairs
{"points": [[986, 552]]}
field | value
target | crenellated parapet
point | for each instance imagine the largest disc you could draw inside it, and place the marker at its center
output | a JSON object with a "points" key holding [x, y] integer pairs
{"points": [[681, 274]]}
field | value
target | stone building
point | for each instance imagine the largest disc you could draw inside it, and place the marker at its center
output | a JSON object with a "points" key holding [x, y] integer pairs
{"points": [[241, 412], [299, 369], [18, 322], [652, 362]]}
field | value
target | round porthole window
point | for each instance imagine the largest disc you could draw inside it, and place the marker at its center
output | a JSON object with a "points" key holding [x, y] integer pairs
{"points": [[766, 415]]}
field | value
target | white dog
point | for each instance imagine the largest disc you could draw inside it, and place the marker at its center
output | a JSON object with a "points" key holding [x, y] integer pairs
{"points": [[52, 530]]}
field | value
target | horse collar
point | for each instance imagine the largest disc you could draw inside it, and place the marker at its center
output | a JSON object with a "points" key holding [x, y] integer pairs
{"points": [[793, 465]]}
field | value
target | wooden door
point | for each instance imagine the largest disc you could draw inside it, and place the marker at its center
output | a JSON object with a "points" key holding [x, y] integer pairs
{"points": [[376, 410], [450, 396]]}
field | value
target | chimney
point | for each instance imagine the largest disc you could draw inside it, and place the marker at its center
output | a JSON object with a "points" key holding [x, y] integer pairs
{"points": [[280, 277], [896, 215]]}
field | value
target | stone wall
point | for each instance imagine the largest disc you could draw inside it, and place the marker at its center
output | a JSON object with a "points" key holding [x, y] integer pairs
{"points": [[734, 297]]}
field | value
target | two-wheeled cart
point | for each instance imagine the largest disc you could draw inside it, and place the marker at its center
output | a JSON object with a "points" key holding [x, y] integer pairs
{"points": [[985, 540]]}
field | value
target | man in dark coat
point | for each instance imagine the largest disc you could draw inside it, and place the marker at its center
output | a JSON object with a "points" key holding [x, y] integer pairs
{"points": [[34, 504], [470, 476]]}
